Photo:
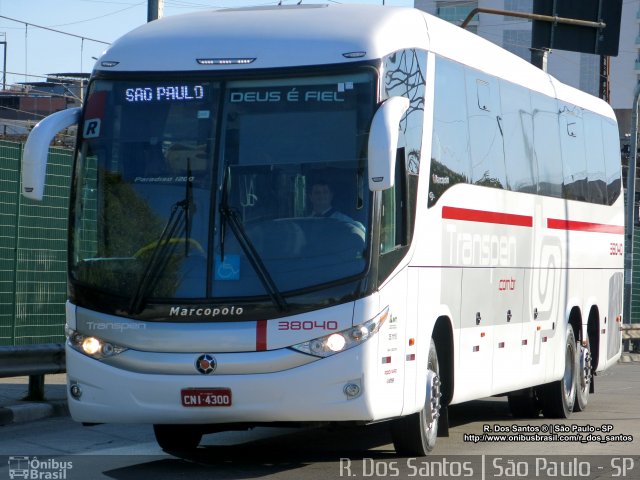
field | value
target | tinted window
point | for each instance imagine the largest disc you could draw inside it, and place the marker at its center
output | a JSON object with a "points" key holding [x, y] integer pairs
{"points": [[573, 152], [546, 140], [596, 178], [404, 76], [517, 127], [450, 147], [485, 136], [611, 141]]}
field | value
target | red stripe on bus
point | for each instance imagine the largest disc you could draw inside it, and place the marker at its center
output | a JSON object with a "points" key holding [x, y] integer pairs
{"points": [[559, 224], [455, 213], [261, 335]]}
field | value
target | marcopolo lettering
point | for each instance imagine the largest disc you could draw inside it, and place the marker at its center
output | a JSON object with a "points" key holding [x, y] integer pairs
{"points": [[205, 311]]}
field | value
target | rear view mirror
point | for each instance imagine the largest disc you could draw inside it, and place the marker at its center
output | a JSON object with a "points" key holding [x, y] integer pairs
{"points": [[383, 142], [36, 150]]}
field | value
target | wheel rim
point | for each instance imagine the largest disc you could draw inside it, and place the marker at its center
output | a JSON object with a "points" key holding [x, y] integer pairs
{"points": [[585, 368], [569, 374], [432, 405]]}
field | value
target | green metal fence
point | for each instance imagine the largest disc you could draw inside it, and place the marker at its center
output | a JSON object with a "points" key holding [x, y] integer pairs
{"points": [[33, 245]]}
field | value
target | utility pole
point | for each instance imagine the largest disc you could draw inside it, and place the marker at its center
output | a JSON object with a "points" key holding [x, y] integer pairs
{"points": [[155, 9], [604, 86], [3, 36], [631, 202]]}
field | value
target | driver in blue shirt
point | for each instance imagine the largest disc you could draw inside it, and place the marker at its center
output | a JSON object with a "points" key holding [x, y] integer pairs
{"points": [[321, 197]]}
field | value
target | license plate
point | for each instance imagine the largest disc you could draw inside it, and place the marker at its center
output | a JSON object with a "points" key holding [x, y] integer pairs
{"points": [[206, 397]]}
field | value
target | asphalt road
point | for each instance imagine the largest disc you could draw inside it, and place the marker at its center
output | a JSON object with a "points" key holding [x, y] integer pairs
{"points": [[59, 448]]}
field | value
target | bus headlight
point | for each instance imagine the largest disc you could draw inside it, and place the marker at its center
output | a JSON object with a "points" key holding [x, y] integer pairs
{"points": [[92, 346], [344, 340]]}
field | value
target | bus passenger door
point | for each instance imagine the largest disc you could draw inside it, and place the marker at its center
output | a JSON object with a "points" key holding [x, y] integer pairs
{"points": [[393, 274]]}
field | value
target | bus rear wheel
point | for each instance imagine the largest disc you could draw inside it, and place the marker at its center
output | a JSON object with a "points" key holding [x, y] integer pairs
{"points": [[415, 435], [559, 398], [584, 375], [177, 438]]}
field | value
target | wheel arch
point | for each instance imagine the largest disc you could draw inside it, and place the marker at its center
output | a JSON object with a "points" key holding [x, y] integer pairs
{"points": [[575, 322], [593, 335], [443, 338]]}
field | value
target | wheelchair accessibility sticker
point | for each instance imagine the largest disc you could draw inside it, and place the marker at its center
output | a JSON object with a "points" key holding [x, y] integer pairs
{"points": [[229, 269]]}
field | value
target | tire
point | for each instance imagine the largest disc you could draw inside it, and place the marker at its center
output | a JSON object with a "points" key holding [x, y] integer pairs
{"points": [[559, 398], [177, 438], [584, 370], [415, 435], [525, 404]]}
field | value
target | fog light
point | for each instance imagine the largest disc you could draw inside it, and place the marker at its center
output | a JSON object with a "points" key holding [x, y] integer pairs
{"points": [[351, 390], [76, 391], [91, 345], [316, 346], [107, 349]]}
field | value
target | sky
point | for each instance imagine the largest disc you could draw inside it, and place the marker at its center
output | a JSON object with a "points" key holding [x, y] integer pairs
{"points": [[32, 52]]}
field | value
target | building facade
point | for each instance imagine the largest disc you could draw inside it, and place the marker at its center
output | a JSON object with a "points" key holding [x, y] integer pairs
{"points": [[577, 69]]}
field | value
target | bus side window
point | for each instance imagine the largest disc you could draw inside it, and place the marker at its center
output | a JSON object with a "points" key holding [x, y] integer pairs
{"points": [[393, 217], [546, 141], [517, 127], [612, 168], [450, 145], [573, 153], [485, 130], [596, 178]]}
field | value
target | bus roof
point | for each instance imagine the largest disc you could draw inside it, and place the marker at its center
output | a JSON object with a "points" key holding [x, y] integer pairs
{"points": [[305, 35], [279, 36]]}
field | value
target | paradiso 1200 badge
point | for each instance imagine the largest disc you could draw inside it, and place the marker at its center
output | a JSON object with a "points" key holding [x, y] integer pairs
{"points": [[206, 364]]}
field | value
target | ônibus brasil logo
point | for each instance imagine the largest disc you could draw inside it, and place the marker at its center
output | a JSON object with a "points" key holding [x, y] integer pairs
{"points": [[32, 468]]}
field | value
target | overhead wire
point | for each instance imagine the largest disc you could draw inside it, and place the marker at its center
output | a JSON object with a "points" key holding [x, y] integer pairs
{"points": [[27, 24]]}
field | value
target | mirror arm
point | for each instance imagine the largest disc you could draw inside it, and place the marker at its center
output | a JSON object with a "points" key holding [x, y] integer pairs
{"points": [[36, 150]]}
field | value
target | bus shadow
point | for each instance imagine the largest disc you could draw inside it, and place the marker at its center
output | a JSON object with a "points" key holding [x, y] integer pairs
{"points": [[269, 456], [486, 410], [297, 449]]}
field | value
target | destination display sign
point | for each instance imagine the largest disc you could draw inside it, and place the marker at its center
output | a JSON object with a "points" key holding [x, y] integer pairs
{"points": [[333, 93], [165, 93]]}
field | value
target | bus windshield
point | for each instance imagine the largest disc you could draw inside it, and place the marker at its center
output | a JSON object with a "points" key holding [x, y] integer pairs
{"points": [[196, 189]]}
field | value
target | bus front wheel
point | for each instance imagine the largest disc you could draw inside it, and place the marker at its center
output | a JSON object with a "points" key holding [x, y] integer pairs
{"points": [[416, 434]]}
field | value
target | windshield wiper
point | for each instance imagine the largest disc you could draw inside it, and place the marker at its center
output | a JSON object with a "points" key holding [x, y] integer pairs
{"points": [[188, 209], [229, 214], [179, 223]]}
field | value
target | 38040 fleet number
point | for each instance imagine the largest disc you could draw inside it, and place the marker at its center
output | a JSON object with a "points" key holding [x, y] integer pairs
{"points": [[307, 325]]}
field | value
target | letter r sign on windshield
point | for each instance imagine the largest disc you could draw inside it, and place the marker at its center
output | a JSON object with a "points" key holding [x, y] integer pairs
{"points": [[91, 128]]}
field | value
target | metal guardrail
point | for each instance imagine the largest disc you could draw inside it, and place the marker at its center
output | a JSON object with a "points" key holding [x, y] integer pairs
{"points": [[631, 337], [34, 361]]}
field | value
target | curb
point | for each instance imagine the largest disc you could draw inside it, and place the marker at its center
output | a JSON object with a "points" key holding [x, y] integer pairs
{"points": [[29, 412]]}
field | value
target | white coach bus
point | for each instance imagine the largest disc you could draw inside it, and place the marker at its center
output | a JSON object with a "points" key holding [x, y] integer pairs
{"points": [[467, 238]]}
